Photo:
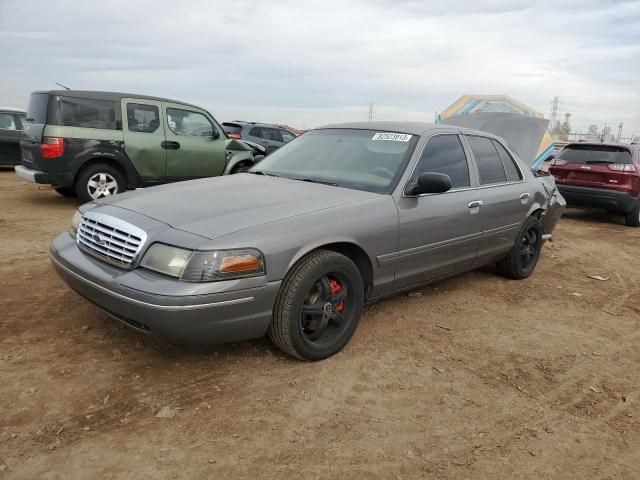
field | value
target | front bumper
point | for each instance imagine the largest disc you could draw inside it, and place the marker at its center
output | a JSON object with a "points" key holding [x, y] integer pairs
{"points": [[229, 313], [598, 198], [31, 175]]}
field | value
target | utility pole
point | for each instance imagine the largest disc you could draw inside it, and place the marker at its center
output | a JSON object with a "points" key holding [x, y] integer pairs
{"points": [[619, 132], [370, 111], [554, 111]]}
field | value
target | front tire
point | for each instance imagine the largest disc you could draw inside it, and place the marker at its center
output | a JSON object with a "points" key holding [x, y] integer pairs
{"points": [[318, 307], [240, 167], [632, 219], [523, 256], [99, 180]]}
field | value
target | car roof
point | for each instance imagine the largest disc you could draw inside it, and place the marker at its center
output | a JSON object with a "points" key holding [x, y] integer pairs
{"points": [[112, 96], [12, 110], [413, 128], [628, 146], [243, 123]]}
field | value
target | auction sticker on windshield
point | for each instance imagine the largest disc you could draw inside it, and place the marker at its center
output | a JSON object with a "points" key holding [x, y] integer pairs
{"points": [[393, 137]]}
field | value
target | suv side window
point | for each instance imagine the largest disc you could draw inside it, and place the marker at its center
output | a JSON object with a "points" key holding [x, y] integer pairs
{"points": [[489, 163], [510, 167], [256, 132], [287, 136], [7, 122], [444, 154], [273, 134], [190, 124], [87, 113], [143, 118]]}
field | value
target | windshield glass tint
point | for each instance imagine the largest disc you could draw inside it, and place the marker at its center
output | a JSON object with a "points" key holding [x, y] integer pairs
{"points": [[361, 159], [595, 154]]}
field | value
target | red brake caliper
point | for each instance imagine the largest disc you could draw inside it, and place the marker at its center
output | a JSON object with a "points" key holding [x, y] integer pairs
{"points": [[335, 288]]}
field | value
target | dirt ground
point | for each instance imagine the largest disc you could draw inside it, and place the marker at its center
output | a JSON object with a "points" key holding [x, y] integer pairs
{"points": [[477, 377]]}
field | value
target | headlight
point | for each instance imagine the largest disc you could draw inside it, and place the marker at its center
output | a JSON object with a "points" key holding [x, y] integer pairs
{"points": [[75, 222], [211, 266], [165, 259]]}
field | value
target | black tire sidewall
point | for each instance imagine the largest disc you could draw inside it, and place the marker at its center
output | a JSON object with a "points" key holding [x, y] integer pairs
{"points": [[531, 222], [88, 172], [346, 268], [632, 219]]}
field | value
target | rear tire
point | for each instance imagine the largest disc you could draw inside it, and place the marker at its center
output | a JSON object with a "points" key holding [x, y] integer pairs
{"points": [[523, 256], [66, 191], [99, 180], [318, 306], [632, 219], [241, 167]]}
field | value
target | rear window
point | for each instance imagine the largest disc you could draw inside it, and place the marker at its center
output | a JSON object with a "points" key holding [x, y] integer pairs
{"points": [[37, 110], [232, 127], [87, 113], [595, 154]]}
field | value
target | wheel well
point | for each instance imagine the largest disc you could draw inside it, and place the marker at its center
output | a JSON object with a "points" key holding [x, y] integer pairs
{"points": [[537, 213], [106, 161], [358, 256]]}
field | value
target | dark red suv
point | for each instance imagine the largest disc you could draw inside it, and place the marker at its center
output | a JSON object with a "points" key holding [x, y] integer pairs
{"points": [[600, 175]]}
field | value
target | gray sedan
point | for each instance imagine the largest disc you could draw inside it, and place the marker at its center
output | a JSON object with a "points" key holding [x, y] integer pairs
{"points": [[341, 216]]}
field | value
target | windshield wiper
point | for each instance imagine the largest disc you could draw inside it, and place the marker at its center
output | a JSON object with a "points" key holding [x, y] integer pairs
{"points": [[313, 180], [599, 161]]}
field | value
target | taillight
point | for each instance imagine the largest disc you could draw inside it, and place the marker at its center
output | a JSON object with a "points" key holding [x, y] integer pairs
{"points": [[51, 147], [234, 135], [557, 162], [622, 167]]}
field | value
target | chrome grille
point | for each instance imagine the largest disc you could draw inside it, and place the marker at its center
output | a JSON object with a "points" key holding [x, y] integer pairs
{"points": [[110, 239]]}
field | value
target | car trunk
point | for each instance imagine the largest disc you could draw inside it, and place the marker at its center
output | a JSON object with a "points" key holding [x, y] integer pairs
{"points": [[595, 166]]}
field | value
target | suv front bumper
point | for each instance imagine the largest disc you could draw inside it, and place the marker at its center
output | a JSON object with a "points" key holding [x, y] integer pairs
{"points": [[232, 314], [598, 198]]}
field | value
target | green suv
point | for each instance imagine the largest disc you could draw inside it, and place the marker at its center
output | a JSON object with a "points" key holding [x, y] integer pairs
{"points": [[96, 144]]}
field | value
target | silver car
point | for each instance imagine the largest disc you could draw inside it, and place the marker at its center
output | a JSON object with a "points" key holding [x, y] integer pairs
{"points": [[341, 216]]}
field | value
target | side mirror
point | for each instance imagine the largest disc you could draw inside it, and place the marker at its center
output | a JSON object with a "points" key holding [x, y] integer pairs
{"points": [[430, 182]]}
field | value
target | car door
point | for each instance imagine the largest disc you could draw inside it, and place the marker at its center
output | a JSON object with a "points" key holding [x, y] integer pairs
{"points": [[144, 134], [504, 194], [195, 143], [10, 135], [438, 233]]}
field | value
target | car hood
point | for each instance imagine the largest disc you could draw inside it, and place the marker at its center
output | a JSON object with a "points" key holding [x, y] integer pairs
{"points": [[213, 207]]}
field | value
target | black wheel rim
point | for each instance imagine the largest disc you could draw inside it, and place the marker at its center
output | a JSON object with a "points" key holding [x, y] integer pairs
{"points": [[529, 248], [327, 310]]}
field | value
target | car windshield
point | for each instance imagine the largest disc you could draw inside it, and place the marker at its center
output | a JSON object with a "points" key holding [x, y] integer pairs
{"points": [[360, 159], [595, 154]]}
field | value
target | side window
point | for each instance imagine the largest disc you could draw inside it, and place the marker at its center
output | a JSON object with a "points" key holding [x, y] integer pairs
{"points": [[273, 134], [287, 136], [489, 163], [87, 113], [189, 124], [444, 154], [256, 132], [143, 118], [7, 122], [513, 173]]}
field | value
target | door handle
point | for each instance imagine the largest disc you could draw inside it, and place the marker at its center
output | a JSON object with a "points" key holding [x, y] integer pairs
{"points": [[524, 196], [475, 204], [167, 145]]}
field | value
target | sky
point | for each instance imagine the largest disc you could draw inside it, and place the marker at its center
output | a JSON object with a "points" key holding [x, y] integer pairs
{"points": [[309, 63]]}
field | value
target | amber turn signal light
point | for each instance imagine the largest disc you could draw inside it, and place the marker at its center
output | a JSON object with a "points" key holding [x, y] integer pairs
{"points": [[239, 263]]}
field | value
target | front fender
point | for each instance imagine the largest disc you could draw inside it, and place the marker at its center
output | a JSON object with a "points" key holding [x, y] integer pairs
{"points": [[235, 157]]}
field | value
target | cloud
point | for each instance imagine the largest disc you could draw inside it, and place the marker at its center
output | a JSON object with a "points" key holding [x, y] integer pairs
{"points": [[313, 62]]}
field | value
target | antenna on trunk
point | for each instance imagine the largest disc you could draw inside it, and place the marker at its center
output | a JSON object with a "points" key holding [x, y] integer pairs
{"points": [[63, 86]]}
